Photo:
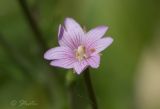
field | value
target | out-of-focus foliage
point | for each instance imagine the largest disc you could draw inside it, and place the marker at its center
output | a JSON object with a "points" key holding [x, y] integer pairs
{"points": [[25, 76]]}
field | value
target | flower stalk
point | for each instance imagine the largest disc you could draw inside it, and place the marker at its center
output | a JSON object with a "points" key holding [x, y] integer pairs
{"points": [[33, 24], [90, 90], [70, 81]]}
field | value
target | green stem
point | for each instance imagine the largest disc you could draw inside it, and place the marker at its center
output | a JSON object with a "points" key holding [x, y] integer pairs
{"points": [[71, 82], [89, 86], [72, 95], [40, 41], [33, 24]]}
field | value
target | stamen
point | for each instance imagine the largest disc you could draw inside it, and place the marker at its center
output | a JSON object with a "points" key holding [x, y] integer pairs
{"points": [[92, 50], [81, 53]]}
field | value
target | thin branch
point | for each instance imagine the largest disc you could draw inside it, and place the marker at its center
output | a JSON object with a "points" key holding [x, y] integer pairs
{"points": [[89, 86], [39, 38], [72, 95], [33, 24]]}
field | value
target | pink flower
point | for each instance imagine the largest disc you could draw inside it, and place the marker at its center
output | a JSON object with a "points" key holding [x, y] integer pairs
{"points": [[78, 49]]}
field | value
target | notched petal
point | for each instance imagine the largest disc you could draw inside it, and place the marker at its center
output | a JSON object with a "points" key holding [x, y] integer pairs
{"points": [[95, 34], [94, 61], [80, 66], [74, 32], [63, 63], [58, 53], [102, 44], [71, 24]]}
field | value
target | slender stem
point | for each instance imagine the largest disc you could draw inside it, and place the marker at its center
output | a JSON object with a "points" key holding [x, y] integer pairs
{"points": [[71, 83], [72, 96], [33, 24], [89, 86], [39, 38]]}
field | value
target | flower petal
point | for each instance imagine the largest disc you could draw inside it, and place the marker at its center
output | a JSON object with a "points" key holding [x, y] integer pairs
{"points": [[74, 32], [64, 63], [59, 53], [60, 32], [94, 61], [101, 44], [80, 66], [66, 40], [72, 25], [95, 34]]}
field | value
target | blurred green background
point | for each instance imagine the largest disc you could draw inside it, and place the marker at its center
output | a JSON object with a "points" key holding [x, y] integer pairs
{"points": [[129, 75]]}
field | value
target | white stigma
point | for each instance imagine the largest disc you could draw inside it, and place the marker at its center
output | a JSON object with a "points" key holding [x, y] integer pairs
{"points": [[81, 53]]}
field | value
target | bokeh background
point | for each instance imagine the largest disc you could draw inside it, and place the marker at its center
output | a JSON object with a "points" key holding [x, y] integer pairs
{"points": [[129, 75]]}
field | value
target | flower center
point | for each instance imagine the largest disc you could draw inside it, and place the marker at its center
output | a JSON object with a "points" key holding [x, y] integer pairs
{"points": [[81, 53]]}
